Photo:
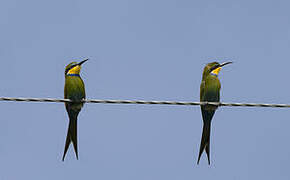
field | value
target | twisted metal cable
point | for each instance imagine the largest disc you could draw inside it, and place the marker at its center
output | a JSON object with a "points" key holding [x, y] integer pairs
{"points": [[146, 102]]}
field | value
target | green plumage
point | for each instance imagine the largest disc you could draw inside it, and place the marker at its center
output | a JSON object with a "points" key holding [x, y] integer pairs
{"points": [[209, 92], [74, 89]]}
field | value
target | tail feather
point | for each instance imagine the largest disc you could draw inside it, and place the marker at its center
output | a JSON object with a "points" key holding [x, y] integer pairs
{"points": [[71, 134], [74, 139], [207, 147], [205, 139], [67, 143]]}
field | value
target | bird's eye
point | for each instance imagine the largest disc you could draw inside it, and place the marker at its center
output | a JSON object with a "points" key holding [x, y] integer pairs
{"points": [[70, 68], [214, 67]]}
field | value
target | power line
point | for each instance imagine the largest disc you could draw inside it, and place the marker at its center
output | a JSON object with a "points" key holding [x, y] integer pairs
{"points": [[147, 102]]}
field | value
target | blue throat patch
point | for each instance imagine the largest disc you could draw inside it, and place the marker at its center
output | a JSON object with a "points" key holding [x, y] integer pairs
{"points": [[73, 75], [214, 74]]}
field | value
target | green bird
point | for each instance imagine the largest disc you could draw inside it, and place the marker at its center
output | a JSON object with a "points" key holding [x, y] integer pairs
{"points": [[74, 89], [209, 92]]}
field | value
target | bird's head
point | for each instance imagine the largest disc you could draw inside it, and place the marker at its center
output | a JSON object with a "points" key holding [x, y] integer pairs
{"points": [[74, 67], [214, 68]]}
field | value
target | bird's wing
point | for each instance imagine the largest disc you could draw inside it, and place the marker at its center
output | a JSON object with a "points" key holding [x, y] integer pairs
{"points": [[202, 86], [212, 90]]}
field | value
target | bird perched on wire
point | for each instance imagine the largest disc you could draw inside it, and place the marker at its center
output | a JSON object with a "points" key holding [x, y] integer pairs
{"points": [[209, 92], [74, 89]]}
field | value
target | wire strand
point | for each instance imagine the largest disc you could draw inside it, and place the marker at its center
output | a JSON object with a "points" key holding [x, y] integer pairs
{"points": [[98, 101]]}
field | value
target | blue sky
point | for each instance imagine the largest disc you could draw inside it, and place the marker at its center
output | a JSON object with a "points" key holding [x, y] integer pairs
{"points": [[149, 50]]}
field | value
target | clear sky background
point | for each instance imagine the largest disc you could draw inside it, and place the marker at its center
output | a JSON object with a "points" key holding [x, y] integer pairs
{"points": [[148, 50]]}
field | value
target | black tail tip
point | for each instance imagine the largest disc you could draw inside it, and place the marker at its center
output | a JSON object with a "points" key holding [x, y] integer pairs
{"points": [[63, 157], [208, 160], [199, 159]]}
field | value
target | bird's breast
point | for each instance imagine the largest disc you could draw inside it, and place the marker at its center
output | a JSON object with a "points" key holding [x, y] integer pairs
{"points": [[74, 88]]}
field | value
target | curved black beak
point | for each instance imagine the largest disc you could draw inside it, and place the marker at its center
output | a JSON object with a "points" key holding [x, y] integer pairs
{"points": [[82, 62], [225, 63], [219, 65]]}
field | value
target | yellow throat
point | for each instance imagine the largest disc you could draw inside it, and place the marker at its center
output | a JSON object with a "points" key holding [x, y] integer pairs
{"points": [[75, 70], [216, 71]]}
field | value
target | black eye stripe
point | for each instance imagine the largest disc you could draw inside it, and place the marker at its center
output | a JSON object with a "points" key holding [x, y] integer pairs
{"points": [[70, 68], [214, 67]]}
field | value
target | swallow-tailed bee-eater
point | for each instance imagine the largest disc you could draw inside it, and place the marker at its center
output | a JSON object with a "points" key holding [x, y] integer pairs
{"points": [[209, 92], [74, 89]]}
